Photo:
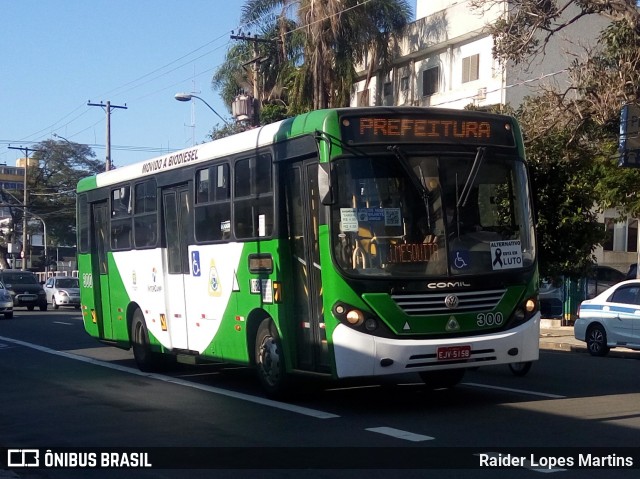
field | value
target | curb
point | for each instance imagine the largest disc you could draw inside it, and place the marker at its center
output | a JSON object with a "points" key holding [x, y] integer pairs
{"points": [[573, 348]]}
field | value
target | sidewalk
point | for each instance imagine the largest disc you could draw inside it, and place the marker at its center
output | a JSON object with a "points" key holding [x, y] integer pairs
{"points": [[560, 338]]}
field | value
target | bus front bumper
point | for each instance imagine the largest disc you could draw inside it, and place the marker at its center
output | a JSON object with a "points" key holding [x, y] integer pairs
{"points": [[360, 355]]}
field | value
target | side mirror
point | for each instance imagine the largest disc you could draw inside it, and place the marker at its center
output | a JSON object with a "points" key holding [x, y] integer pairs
{"points": [[325, 189]]}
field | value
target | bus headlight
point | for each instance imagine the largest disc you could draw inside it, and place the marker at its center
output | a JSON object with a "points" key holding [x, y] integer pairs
{"points": [[524, 312], [355, 317]]}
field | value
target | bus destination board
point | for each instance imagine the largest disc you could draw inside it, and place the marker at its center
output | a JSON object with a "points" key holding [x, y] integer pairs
{"points": [[426, 128]]}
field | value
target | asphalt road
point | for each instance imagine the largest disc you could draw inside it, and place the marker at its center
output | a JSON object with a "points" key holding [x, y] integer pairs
{"points": [[59, 388]]}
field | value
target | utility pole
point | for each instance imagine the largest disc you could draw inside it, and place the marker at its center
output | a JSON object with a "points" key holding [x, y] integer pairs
{"points": [[256, 61], [108, 107], [26, 151]]}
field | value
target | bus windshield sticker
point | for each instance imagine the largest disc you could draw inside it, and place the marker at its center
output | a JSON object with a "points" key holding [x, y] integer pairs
{"points": [[370, 214], [392, 217], [348, 220], [195, 263], [460, 259], [506, 254]]}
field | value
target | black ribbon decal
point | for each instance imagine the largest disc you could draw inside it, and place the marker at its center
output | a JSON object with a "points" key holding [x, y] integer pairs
{"points": [[498, 258]]}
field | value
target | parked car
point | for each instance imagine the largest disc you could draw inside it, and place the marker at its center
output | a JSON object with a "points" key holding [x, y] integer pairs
{"points": [[602, 278], [62, 291], [633, 270], [611, 319], [24, 288], [6, 302]]}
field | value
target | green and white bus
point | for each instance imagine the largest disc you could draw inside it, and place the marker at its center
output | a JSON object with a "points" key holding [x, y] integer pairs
{"points": [[354, 242]]}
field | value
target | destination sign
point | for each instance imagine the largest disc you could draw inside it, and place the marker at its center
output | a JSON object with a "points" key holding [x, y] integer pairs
{"points": [[426, 128]]}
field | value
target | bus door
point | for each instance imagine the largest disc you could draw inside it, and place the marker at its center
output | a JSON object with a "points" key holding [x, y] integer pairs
{"points": [[99, 242], [303, 211], [177, 221]]}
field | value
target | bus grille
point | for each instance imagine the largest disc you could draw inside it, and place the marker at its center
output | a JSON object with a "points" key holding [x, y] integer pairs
{"points": [[421, 304]]}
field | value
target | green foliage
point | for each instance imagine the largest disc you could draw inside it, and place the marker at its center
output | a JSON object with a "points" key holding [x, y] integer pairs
{"points": [[52, 186]]}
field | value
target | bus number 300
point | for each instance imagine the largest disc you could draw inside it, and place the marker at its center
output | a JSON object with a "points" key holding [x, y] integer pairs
{"points": [[489, 319], [87, 280]]}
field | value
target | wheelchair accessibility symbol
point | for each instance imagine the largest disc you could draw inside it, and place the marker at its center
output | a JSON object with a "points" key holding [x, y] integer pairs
{"points": [[195, 263], [461, 259]]}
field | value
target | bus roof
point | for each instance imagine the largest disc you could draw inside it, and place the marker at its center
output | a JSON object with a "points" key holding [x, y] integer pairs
{"points": [[258, 137], [247, 140]]}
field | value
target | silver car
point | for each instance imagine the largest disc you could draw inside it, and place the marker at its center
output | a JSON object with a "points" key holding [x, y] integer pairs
{"points": [[62, 291], [6, 302]]}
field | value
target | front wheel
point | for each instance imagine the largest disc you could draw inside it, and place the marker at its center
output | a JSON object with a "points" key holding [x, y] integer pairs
{"points": [[597, 341], [520, 369], [269, 358], [443, 378], [54, 303]]}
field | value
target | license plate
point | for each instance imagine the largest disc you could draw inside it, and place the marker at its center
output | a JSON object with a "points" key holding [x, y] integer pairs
{"points": [[454, 352]]}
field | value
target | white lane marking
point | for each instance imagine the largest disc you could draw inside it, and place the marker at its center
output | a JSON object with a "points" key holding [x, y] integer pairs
{"points": [[180, 382], [526, 463], [62, 322], [520, 391], [400, 434]]}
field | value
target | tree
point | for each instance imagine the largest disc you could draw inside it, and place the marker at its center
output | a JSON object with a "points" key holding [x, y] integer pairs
{"points": [[334, 37], [52, 185]]}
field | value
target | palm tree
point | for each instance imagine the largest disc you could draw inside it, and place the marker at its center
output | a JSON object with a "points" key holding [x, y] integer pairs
{"points": [[336, 36]]}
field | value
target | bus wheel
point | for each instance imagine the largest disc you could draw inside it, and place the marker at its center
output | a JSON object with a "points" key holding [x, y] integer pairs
{"points": [[520, 369], [443, 378], [270, 360], [146, 360]]}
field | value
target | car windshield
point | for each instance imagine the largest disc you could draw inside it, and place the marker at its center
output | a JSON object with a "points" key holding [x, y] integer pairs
{"points": [[19, 278], [67, 283], [432, 215]]}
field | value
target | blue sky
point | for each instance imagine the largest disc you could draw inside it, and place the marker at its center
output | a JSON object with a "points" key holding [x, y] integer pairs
{"points": [[59, 54]]}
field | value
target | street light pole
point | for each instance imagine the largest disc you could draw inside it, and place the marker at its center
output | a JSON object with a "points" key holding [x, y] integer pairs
{"points": [[189, 96]]}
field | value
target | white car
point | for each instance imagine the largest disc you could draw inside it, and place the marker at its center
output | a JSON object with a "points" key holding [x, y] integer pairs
{"points": [[63, 291], [611, 319]]}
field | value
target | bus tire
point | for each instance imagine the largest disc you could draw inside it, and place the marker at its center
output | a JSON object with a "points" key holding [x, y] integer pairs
{"points": [[147, 360], [269, 360], [442, 378], [521, 368]]}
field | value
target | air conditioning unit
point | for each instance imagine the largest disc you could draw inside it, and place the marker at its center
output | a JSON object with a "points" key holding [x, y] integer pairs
{"points": [[482, 93]]}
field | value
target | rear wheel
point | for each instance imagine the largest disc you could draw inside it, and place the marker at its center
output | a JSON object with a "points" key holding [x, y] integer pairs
{"points": [[597, 341], [442, 379], [146, 359], [8, 315], [269, 358]]}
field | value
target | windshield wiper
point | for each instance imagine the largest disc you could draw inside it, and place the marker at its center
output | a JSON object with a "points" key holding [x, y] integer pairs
{"points": [[477, 162], [417, 183]]}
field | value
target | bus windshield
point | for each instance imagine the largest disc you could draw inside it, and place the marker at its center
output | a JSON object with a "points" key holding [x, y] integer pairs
{"points": [[423, 215]]}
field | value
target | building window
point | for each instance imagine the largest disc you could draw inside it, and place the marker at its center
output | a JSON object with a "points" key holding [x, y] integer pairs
{"points": [[404, 83], [430, 81], [387, 89], [632, 236], [470, 68], [620, 235], [363, 98]]}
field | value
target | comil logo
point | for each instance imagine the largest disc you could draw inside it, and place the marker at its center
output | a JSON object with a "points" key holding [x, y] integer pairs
{"points": [[23, 458]]}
